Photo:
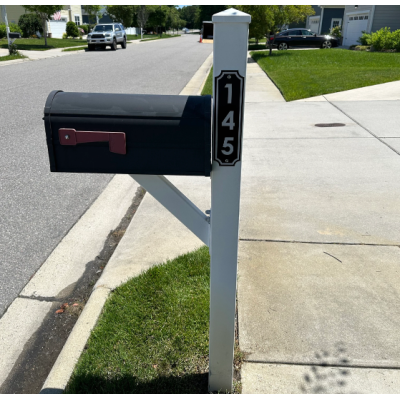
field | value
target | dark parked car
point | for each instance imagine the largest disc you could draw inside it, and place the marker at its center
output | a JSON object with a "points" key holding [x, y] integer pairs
{"points": [[304, 37]]}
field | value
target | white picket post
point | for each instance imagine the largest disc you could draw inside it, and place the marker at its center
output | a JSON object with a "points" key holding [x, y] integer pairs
{"points": [[229, 79]]}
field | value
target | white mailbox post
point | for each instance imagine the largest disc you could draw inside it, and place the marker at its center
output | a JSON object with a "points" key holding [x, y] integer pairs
{"points": [[230, 61], [221, 231]]}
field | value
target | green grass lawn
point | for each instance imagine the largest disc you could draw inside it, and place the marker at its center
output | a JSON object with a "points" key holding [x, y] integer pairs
{"points": [[307, 73], [38, 44], [208, 89], [152, 336], [8, 58], [76, 48]]}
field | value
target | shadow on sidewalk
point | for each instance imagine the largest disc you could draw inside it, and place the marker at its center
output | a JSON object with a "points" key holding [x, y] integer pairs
{"points": [[124, 384]]}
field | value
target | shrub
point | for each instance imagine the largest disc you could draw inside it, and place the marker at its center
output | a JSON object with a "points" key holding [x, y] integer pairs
{"points": [[396, 39], [85, 28], [30, 24], [65, 36], [337, 31], [365, 39], [72, 29], [13, 28], [382, 39]]}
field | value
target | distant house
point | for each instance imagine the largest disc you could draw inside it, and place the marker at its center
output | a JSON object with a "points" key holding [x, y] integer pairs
{"points": [[354, 20], [324, 19], [104, 19], [368, 18], [55, 28]]}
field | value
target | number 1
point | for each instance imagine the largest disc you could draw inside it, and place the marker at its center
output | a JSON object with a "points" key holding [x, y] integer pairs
{"points": [[229, 87]]}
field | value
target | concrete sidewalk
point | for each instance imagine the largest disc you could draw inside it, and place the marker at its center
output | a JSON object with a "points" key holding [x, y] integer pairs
{"points": [[318, 278]]}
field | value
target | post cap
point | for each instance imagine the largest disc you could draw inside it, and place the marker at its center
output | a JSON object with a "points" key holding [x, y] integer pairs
{"points": [[231, 15]]}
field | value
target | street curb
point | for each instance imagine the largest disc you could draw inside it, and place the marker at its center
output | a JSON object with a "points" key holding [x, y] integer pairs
{"points": [[63, 368]]}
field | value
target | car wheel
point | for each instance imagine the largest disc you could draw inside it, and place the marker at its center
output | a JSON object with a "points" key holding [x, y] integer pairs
{"points": [[114, 45], [123, 44], [283, 46], [327, 44], [90, 47]]}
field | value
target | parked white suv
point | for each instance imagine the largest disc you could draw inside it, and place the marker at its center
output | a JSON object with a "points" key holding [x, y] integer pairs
{"points": [[107, 35]]}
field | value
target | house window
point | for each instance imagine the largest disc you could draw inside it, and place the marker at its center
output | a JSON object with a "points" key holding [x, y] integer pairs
{"points": [[351, 18], [366, 17], [355, 18], [361, 17], [77, 19]]}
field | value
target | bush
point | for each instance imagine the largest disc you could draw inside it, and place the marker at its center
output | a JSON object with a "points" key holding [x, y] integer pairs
{"points": [[72, 29], [382, 39], [85, 28], [396, 39], [65, 36], [365, 39], [337, 31], [30, 24], [13, 28]]}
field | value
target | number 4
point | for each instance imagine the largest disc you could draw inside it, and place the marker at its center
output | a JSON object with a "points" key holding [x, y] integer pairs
{"points": [[228, 121]]}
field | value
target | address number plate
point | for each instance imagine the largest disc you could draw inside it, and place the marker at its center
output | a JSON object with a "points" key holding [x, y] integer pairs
{"points": [[228, 117]]}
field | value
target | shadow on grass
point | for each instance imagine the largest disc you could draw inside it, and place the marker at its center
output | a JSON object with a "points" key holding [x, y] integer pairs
{"points": [[30, 47], [188, 384], [257, 47], [260, 55]]}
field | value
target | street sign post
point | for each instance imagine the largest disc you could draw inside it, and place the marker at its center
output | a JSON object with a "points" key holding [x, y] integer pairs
{"points": [[149, 136]]}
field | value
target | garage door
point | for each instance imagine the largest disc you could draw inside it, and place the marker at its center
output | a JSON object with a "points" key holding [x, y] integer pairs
{"points": [[355, 25], [57, 28]]}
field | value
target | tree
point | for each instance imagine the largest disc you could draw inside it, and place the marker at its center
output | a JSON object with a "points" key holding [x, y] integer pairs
{"points": [[191, 15], [260, 20], [142, 17], [72, 29], [122, 14], [273, 18], [30, 24], [158, 16], [94, 13], [44, 13], [207, 11]]}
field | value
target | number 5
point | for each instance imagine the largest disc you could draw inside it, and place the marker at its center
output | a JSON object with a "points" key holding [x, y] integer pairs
{"points": [[227, 145]]}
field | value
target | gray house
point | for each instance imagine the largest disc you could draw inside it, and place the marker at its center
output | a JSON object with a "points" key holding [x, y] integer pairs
{"points": [[325, 18], [354, 20], [368, 18]]}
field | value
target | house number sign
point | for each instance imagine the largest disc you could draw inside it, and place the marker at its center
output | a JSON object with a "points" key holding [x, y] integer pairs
{"points": [[228, 117]]}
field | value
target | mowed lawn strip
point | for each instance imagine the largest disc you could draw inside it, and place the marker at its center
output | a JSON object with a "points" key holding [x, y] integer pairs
{"points": [[208, 88], [76, 48], [152, 336], [38, 44], [308, 73], [13, 57]]}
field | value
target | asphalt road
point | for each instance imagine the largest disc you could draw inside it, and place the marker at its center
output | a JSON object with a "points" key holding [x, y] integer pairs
{"points": [[38, 208]]}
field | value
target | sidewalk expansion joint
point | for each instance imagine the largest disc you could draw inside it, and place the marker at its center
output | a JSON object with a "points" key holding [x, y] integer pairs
{"points": [[369, 131], [305, 242], [333, 365]]}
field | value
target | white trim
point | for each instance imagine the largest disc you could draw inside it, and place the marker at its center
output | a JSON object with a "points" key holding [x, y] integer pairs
{"points": [[336, 19], [358, 12], [322, 20], [371, 19], [325, 6], [315, 16]]}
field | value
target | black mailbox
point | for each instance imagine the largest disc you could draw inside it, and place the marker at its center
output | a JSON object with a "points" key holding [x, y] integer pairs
{"points": [[14, 35], [128, 134]]}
